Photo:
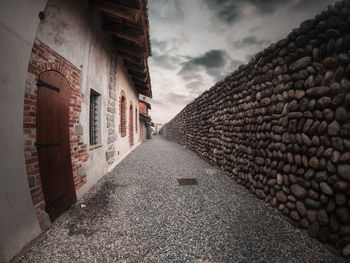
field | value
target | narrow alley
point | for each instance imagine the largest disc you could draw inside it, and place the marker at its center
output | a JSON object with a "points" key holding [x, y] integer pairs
{"points": [[139, 213]]}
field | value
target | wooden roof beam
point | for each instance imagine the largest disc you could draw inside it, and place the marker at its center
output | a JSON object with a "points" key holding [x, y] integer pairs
{"points": [[113, 9], [137, 74], [140, 83], [133, 59], [134, 51], [137, 78], [135, 68], [125, 34]]}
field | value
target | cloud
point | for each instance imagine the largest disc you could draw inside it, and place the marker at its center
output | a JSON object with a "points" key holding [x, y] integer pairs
{"points": [[195, 86], [166, 11], [211, 62], [225, 10], [178, 99], [230, 11], [165, 60], [168, 44], [250, 41], [234, 64]]}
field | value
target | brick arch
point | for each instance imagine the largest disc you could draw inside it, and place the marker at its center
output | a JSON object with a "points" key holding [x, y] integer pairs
{"points": [[44, 59], [131, 124], [122, 112]]}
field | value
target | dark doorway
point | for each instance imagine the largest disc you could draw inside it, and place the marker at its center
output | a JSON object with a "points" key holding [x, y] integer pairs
{"points": [[131, 126], [53, 143]]}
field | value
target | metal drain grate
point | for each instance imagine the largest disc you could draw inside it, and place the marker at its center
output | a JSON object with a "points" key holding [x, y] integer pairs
{"points": [[187, 181]]}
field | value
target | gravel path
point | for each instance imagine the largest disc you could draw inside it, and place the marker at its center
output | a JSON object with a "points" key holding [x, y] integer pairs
{"points": [[139, 213]]}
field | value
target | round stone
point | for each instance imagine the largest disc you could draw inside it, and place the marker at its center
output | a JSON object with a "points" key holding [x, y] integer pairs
{"points": [[333, 128], [301, 208], [281, 197], [326, 189], [343, 215], [298, 191], [346, 250], [341, 114], [313, 229], [294, 215], [344, 171], [322, 217]]}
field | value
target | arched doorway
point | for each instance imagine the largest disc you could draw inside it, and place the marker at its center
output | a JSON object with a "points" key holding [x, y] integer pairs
{"points": [[131, 125], [52, 143]]}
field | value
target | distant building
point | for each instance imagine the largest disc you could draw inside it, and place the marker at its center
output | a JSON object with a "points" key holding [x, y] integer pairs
{"points": [[145, 120], [72, 73], [157, 127]]}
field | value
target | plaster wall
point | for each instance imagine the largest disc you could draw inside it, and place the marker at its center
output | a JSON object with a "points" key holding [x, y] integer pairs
{"points": [[124, 83], [18, 223], [74, 31]]}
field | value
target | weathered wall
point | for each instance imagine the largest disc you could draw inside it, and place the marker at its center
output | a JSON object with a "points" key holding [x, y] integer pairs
{"points": [[125, 85], [70, 40], [74, 31], [280, 126], [18, 223]]}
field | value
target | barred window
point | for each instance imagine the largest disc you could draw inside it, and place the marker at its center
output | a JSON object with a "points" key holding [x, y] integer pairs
{"points": [[94, 117]]}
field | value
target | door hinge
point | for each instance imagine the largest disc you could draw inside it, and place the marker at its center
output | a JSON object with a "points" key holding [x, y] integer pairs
{"points": [[44, 145], [48, 206], [46, 85]]}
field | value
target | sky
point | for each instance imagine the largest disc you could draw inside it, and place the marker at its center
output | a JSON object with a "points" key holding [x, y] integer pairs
{"points": [[196, 43]]}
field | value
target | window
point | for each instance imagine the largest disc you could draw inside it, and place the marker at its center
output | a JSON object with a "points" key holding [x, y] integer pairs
{"points": [[94, 118], [136, 120], [122, 112]]}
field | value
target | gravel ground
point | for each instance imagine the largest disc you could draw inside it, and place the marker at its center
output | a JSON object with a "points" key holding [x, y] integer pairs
{"points": [[139, 213]]}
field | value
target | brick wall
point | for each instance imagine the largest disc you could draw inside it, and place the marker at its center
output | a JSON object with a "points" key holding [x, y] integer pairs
{"points": [[280, 126], [143, 108], [43, 59]]}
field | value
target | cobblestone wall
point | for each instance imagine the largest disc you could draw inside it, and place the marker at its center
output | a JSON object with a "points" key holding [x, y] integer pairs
{"points": [[280, 126]]}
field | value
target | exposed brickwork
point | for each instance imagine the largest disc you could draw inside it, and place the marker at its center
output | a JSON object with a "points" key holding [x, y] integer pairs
{"points": [[143, 108], [111, 111], [122, 114], [43, 59], [280, 126]]}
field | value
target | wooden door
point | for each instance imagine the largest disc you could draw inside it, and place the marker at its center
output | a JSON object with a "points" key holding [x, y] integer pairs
{"points": [[131, 127], [53, 143]]}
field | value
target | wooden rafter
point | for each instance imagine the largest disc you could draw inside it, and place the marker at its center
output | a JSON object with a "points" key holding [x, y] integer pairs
{"points": [[134, 51], [141, 84], [125, 34], [138, 74], [137, 78], [130, 14], [134, 60], [135, 68]]}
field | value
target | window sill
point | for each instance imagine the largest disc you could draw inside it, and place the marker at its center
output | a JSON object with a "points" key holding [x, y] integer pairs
{"points": [[95, 146]]}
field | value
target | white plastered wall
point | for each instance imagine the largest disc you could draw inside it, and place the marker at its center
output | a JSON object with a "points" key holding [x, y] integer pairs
{"points": [[18, 223]]}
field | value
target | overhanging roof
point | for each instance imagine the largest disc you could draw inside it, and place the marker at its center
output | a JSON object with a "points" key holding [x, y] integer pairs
{"points": [[127, 21]]}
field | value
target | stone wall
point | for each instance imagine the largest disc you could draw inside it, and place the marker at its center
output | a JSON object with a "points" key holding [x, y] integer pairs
{"points": [[280, 126]]}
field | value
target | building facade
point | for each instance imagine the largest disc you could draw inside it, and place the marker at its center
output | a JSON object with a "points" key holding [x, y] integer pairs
{"points": [[145, 120], [72, 74]]}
